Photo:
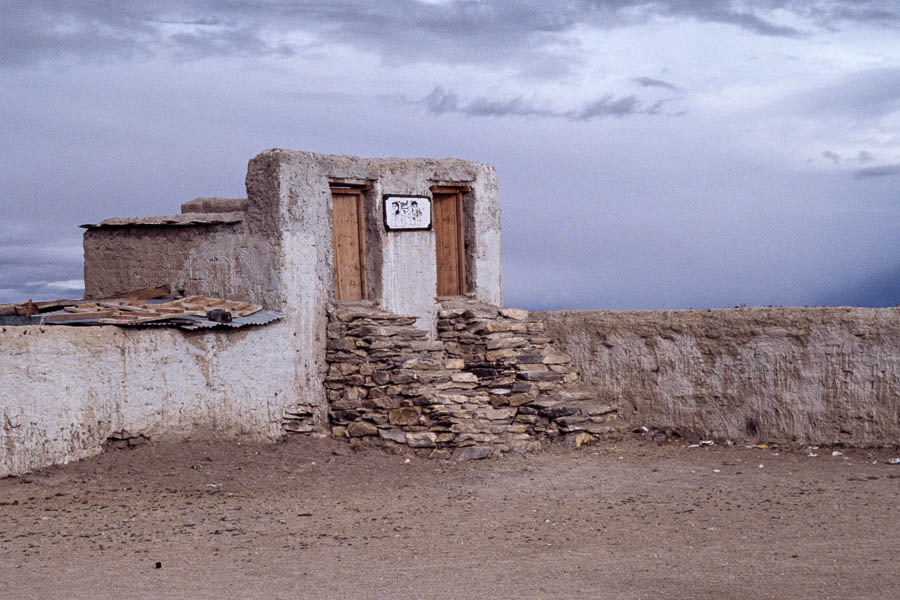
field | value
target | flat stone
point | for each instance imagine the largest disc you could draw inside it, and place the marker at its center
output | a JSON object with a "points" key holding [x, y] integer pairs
{"points": [[495, 414], [538, 366], [570, 420], [559, 410], [421, 439], [556, 359], [495, 355], [394, 435], [520, 399], [344, 415], [406, 415], [542, 403], [472, 453], [540, 376], [464, 377], [529, 359], [361, 429], [420, 364], [516, 314], [510, 342]]}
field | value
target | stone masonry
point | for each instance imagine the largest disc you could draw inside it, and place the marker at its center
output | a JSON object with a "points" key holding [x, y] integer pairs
{"points": [[491, 382]]}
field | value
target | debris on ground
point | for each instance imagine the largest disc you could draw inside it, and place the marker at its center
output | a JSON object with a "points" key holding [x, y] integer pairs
{"points": [[150, 306]]}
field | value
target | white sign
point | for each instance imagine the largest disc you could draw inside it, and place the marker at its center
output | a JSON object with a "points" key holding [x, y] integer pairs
{"points": [[407, 212]]}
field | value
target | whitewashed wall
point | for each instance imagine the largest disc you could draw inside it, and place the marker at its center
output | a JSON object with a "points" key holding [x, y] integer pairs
{"points": [[65, 390]]}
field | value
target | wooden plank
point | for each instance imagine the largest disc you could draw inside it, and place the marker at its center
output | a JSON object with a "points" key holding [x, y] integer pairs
{"points": [[125, 307], [461, 243], [53, 305], [447, 224], [361, 237], [247, 311], [21, 309], [82, 308], [346, 246], [63, 317]]}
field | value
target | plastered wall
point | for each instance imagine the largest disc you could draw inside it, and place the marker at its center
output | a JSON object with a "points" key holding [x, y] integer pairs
{"points": [[817, 375], [405, 260], [65, 390]]}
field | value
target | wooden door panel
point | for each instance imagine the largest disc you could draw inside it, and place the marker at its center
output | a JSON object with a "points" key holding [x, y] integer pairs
{"points": [[448, 233], [349, 245]]}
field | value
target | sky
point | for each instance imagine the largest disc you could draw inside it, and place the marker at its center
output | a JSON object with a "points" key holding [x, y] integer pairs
{"points": [[651, 155]]}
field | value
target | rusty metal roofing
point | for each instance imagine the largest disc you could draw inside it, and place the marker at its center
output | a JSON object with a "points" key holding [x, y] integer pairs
{"points": [[189, 323], [189, 320]]}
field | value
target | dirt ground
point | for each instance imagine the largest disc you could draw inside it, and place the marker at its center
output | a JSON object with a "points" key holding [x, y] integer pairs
{"points": [[308, 518]]}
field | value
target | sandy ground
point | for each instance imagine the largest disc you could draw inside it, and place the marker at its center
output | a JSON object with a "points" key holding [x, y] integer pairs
{"points": [[307, 518]]}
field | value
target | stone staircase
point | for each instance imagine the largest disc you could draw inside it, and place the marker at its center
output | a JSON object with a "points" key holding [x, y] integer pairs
{"points": [[491, 382]]}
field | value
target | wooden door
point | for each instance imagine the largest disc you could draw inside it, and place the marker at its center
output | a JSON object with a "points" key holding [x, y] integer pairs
{"points": [[450, 241], [348, 240]]}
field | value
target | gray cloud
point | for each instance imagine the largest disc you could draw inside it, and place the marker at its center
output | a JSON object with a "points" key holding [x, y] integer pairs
{"points": [[623, 213], [879, 171], [868, 94], [832, 156], [403, 30], [441, 101], [35, 261], [659, 83]]}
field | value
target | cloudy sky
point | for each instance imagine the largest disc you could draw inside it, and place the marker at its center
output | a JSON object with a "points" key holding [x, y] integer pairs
{"points": [[666, 154]]}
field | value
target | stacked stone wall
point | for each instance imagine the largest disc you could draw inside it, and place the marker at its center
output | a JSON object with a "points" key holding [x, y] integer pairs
{"points": [[491, 382]]}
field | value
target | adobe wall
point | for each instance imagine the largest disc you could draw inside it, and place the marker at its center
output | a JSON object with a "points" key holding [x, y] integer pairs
{"points": [[65, 390], [214, 260], [817, 375]]}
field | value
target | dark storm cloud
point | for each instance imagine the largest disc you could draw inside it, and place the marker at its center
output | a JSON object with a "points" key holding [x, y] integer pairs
{"points": [[658, 83], [879, 171], [399, 31], [441, 101], [725, 12]]}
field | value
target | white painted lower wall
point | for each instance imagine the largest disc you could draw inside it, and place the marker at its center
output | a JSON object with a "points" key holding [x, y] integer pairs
{"points": [[65, 390]]}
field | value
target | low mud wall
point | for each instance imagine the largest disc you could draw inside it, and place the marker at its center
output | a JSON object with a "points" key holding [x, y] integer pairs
{"points": [[816, 375], [65, 391]]}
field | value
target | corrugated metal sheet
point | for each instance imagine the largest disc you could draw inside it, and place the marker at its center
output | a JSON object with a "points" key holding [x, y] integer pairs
{"points": [[191, 323], [184, 322]]}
